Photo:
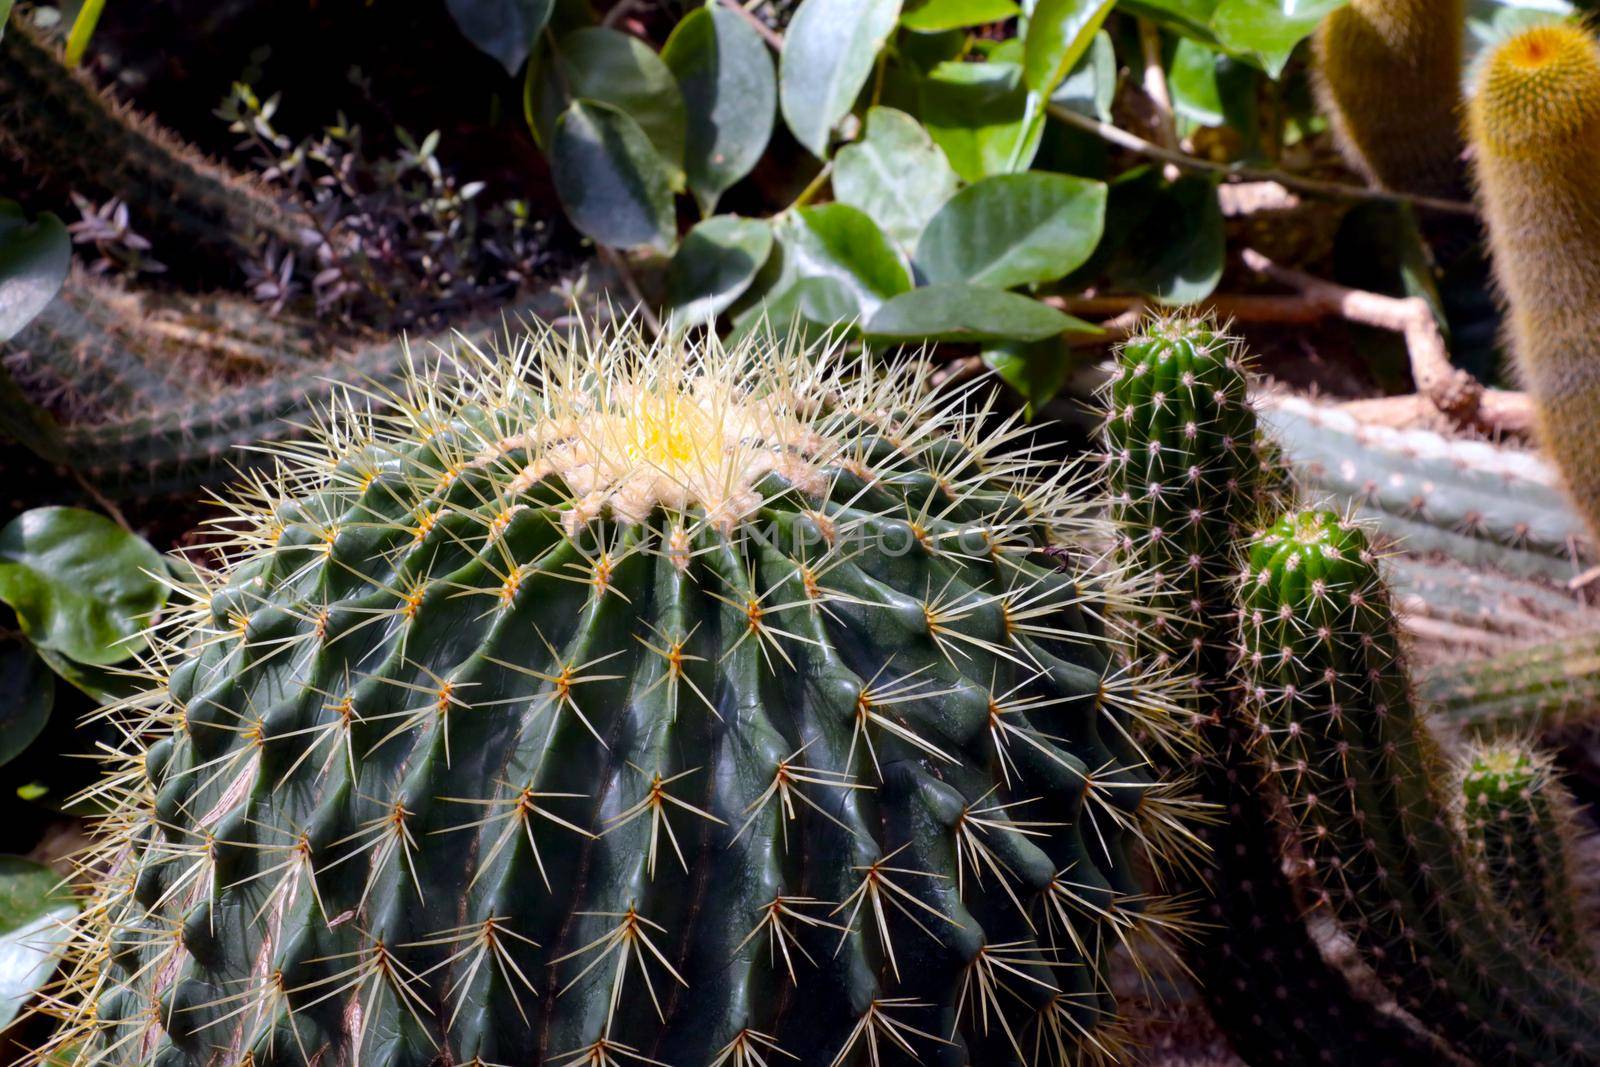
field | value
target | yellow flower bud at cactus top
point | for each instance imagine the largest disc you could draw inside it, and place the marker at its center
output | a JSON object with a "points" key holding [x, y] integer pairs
{"points": [[1534, 121], [1388, 78]]}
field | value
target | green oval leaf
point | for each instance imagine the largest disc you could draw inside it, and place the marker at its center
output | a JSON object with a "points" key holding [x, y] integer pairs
{"points": [[936, 16], [977, 113], [714, 265], [1059, 33], [33, 909], [828, 53], [954, 312], [1090, 87], [611, 181], [1014, 229], [814, 307], [731, 94], [1267, 31], [1037, 371], [503, 29], [838, 241], [896, 174], [610, 67], [27, 693], [79, 583], [34, 257], [1168, 238]]}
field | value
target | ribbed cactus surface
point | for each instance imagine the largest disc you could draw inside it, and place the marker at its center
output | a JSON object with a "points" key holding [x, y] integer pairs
{"points": [[1534, 120], [1519, 819], [1190, 475], [1388, 75], [1325, 667], [606, 704]]}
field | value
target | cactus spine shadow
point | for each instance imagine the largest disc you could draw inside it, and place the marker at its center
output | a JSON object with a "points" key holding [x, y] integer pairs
{"points": [[1388, 76], [1534, 121]]}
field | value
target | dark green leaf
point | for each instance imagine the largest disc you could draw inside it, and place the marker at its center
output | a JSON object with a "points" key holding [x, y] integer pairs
{"points": [[5, 16], [839, 241], [1267, 31], [977, 113], [1014, 229], [79, 583], [34, 257], [102, 684], [714, 265], [968, 313], [815, 307], [1168, 238], [1192, 18], [1092, 84], [828, 53], [30, 425], [1059, 33], [27, 693], [611, 67], [613, 184], [504, 29], [1213, 89], [731, 94], [33, 907], [895, 173], [936, 16], [1037, 370]]}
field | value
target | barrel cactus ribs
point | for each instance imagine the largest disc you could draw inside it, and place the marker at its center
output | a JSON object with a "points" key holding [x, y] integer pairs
{"points": [[610, 703]]}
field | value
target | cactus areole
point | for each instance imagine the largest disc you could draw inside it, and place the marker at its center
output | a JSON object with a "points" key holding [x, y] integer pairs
{"points": [[608, 703]]}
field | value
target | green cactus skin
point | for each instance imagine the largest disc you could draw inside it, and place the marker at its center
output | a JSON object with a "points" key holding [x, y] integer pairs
{"points": [[66, 134], [1388, 76], [581, 707], [1535, 690], [1518, 819], [1185, 468], [1474, 501], [1326, 676]]}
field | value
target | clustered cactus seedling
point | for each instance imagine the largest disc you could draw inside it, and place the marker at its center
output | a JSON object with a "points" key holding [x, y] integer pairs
{"points": [[1534, 121], [1518, 819], [1325, 668], [1388, 75], [608, 704]]}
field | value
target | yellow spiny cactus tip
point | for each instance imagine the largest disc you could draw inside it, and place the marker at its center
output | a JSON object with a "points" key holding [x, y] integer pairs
{"points": [[1538, 90]]}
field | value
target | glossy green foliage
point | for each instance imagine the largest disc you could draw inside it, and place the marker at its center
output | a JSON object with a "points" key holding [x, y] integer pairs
{"points": [[1327, 679], [1519, 823], [568, 712]]}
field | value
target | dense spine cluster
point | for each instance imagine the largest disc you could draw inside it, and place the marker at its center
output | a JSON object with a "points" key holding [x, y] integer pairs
{"points": [[603, 703], [1518, 819], [1389, 80], [1534, 121], [1189, 476], [1327, 680], [64, 133]]}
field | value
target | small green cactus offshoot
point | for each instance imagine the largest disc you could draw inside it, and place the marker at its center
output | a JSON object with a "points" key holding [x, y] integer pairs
{"points": [[1189, 476], [1518, 819], [1324, 661], [608, 703]]}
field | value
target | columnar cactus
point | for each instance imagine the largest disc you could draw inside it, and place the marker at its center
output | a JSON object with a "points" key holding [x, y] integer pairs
{"points": [[1518, 819], [1324, 661], [607, 703], [1534, 120], [1388, 75], [1189, 476], [66, 134]]}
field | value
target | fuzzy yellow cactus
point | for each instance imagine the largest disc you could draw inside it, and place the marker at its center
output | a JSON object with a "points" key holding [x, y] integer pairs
{"points": [[1534, 122], [1388, 78]]}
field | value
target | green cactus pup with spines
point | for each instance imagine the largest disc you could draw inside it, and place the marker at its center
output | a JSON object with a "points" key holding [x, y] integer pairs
{"points": [[1519, 823], [1325, 668], [1534, 121], [1388, 76], [1189, 476], [609, 703]]}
